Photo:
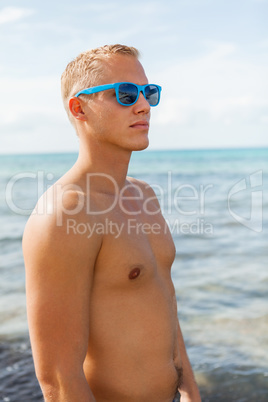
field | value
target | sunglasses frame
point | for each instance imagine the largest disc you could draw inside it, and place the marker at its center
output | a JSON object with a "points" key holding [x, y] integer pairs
{"points": [[99, 88]]}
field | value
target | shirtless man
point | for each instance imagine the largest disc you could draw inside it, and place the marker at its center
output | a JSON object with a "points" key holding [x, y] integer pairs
{"points": [[101, 304]]}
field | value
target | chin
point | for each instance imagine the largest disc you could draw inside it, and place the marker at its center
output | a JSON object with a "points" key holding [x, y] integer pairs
{"points": [[141, 146], [143, 143]]}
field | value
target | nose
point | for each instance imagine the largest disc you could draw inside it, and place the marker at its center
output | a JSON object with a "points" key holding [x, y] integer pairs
{"points": [[142, 105]]}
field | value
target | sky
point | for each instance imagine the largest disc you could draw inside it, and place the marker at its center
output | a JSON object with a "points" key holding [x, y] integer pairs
{"points": [[209, 56]]}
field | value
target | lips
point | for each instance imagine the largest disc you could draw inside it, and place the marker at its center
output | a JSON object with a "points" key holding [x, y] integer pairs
{"points": [[140, 124]]}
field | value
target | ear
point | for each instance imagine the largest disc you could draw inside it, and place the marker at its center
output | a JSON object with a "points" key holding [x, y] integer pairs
{"points": [[75, 106]]}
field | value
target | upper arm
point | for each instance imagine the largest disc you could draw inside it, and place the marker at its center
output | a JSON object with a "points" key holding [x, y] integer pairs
{"points": [[59, 274]]}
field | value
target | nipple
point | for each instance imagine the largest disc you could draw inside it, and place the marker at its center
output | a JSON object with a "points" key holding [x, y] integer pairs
{"points": [[134, 273]]}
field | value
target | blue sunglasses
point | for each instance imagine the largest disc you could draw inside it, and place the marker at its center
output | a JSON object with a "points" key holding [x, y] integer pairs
{"points": [[128, 93]]}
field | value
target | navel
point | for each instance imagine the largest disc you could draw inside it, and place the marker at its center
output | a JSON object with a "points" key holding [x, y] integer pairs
{"points": [[134, 273]]}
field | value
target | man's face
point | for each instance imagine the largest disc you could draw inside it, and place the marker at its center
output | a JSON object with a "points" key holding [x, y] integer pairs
{"points": [[124, 126]]}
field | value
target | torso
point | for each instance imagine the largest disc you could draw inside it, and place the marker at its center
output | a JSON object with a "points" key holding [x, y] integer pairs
{"points": [[132, 349]]}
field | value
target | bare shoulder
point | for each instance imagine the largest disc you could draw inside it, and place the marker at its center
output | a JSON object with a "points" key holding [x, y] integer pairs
{"points": [[47, 235], [146, 192], [145, 187]]}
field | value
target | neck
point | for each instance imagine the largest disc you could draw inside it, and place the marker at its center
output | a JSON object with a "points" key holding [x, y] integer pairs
{"points": [[106, 160]]}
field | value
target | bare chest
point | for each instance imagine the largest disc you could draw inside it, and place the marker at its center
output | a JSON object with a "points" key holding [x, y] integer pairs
{"points": [[136, 248]]}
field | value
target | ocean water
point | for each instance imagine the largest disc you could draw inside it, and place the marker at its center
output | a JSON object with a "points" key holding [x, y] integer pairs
{"points": [[216, 205]]}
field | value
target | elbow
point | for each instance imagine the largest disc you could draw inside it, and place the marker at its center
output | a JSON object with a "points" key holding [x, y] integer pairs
{"points": [[49, 384], [57, 383]]}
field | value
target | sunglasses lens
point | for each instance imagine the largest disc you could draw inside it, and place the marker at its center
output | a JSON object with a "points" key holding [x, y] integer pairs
{"points": [[127, 93], [152, 94]]}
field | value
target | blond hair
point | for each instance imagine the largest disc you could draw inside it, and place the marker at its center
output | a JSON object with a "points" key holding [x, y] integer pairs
{"points": [[86, 68]]}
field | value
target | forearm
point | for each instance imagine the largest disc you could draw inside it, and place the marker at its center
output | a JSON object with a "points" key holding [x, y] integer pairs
{"points": [[188, 389]]}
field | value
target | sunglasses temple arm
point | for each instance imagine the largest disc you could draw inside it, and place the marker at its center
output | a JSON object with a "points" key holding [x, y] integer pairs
{"points": [[94, 90]]}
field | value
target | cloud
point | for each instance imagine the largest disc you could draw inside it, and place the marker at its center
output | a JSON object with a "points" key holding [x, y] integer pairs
{"points": [[174, 110], [221, 85], [11, 14], [32, 117], [37, 95]]}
